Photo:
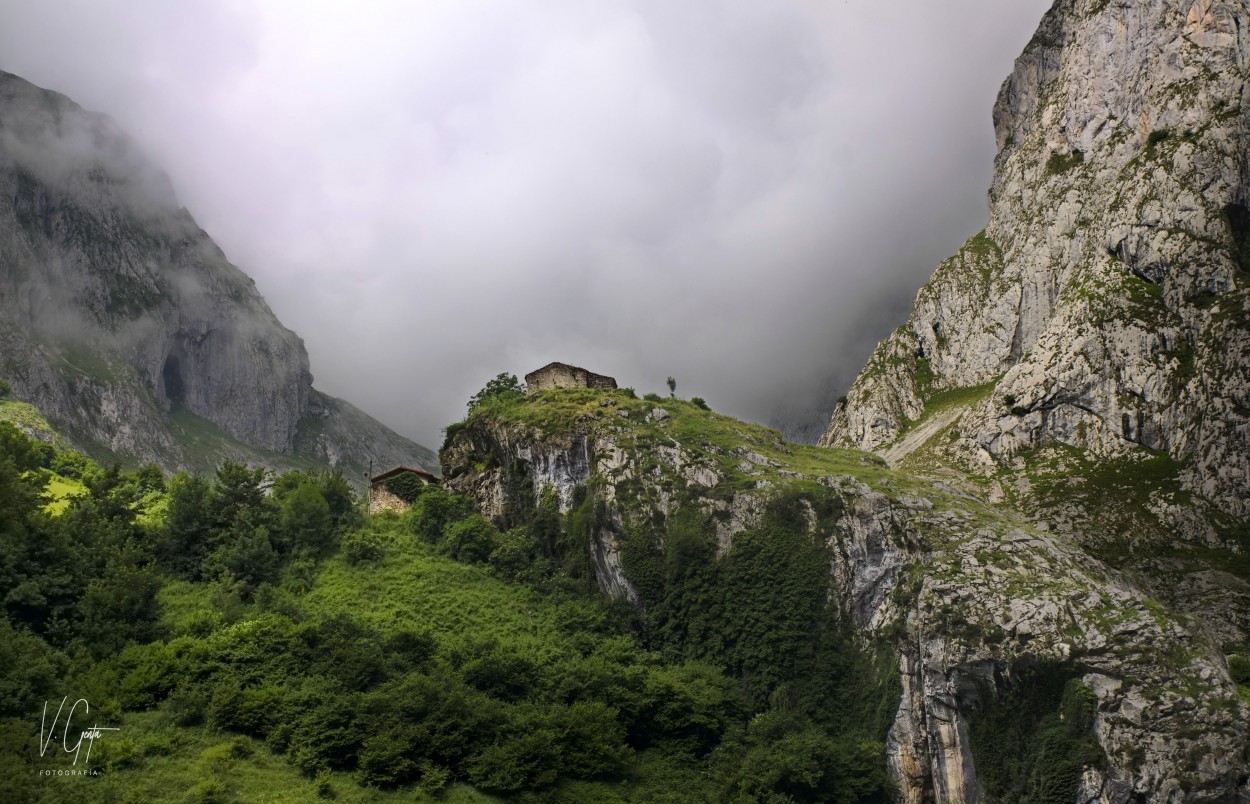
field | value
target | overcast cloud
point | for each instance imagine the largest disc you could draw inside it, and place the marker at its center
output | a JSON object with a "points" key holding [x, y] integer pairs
{"points": [[744, 195]]}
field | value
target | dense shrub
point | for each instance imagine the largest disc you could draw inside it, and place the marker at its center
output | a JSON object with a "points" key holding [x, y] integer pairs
{"points": [[471, 540], [363, 547], [1239, 668], [435, 511], [30, 671], [1033, 741], [502, 391], [527, 713], [406, 486]]}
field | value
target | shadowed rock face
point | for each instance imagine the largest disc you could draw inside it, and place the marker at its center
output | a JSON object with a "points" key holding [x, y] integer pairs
{"points": [[117, 310], [1107, 299]]}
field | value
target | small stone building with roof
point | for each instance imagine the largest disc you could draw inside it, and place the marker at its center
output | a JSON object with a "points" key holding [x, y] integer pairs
{"points": [[386, 491], [562, 375]]}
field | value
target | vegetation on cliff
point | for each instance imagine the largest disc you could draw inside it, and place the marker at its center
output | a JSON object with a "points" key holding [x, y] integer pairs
{"points": [[257, 636], [254, 636]]}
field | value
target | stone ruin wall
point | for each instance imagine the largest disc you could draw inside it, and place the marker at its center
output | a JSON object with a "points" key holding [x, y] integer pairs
{"points": [[561, 376], [382, 500]]}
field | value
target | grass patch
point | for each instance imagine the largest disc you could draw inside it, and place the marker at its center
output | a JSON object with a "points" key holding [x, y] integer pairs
{"points": [[943, 401], [31, 421], [414, 586], [1061, 163], [732, 447], [59, 491]]}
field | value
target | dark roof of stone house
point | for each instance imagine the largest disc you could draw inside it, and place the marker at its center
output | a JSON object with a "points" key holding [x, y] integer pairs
{"points": [[399, 470]]}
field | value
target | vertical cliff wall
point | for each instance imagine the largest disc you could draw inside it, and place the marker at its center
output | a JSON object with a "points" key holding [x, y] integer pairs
{"points": [[1107, 302]]}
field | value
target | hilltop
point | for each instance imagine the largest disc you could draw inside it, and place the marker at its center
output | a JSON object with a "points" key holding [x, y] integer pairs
{"points": [[732, 544]]}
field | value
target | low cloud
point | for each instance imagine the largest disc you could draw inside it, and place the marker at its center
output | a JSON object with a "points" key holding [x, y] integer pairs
{"points": [[742, 195]]}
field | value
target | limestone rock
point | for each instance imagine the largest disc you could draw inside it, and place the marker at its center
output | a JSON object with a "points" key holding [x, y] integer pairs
{"points": [[1108, 299], [124, 322], [966, 595]]}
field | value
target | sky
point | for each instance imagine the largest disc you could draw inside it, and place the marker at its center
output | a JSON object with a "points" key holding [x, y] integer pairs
{"points": [[743, 195]]}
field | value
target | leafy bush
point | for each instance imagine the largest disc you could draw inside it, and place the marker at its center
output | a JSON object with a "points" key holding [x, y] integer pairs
{"points": [[363, 547], [471, 540], [434, 778], [1239, 668], [208, 791], [6, 390], [787, 758], [324, 785], [1062, 163], [504, 390], [1154, 140], [699, 402], [1032, 742], [435, 511], [29, 671], [515, 554], [449, 434], [305, 521], [406, 486]]}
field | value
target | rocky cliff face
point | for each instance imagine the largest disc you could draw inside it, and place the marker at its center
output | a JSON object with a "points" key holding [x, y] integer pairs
{"points": [[1107, 302], [124, 322], [972, 598]]}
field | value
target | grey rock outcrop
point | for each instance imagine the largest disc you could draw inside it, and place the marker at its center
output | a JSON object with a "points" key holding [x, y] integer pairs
{"points": [[124, 322], [1108, 300], [971, 599]]}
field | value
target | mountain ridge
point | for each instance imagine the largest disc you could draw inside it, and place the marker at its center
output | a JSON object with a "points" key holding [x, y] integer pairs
{"points": [[1107, 297], [119, 311], [1085, 359]]}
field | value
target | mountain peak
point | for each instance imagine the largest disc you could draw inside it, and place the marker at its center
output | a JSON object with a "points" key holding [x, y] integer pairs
{"points": [[1085, 359], [124, 322], [1105, 299]]}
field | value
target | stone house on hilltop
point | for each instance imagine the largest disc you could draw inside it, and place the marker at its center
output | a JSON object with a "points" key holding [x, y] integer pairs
{"points": [[562, 375], [386, 492]]}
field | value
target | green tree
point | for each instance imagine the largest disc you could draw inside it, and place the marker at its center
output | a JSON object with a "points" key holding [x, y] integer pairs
{"points": [[238, 494], [189, 534], [118, 607], [470, 540], [42, 569], [338, 494], [30, 671], [306, 521], [5, 390], [504, 388], [435, 511], [672, 387], [246, 554], [545, 524]]}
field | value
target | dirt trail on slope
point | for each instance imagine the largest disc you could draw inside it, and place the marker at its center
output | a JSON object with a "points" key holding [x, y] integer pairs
{"points": [[916, 438]]}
